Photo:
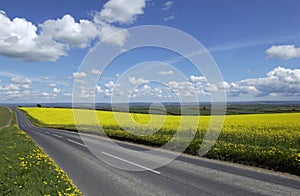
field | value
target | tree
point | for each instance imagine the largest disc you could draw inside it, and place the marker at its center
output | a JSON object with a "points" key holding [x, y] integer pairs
{"points": [[38, 105]]}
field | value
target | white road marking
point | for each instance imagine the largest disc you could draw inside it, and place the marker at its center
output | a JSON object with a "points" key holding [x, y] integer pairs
{"points": [[76, 142], [146, 168], [47, 132], [57, 135]]}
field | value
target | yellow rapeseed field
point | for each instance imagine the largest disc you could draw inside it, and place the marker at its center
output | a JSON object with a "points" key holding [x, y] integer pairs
{"points": [[267, 140]]}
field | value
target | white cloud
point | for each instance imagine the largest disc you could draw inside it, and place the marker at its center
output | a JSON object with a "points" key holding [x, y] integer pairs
{"points": [[45, 78], [56, 90], [167, 5], [19, 80], [45, 94], [52, 85], [80, 81], [113, 35], [181, 88], [165, 73], [120, 11], [96, 71], [112, 89], [197, 78], [110, 84], [17, 84], [137, 81], [171, 17], [26, 86], [99, 89], [279, 81], [67, 31], [283, 51], [108, 92], [65, 84], [10, 87], [13, 94], [67, 94], [19, 39], [85, 94], [2, 12], [79, 75], [157, 92]]}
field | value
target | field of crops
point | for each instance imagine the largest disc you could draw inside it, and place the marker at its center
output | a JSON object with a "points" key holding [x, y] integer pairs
{"points": [[266, 140]]}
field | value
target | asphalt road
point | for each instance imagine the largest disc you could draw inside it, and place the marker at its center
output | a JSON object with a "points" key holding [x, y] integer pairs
{"points": [[186, 175]]}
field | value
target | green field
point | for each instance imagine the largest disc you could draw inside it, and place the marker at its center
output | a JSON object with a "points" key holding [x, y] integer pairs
{"points": [[266, 140], [5, 116], [27, 170]]}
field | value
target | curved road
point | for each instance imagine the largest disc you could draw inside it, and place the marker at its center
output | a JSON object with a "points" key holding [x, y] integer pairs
{"points": [[186, 175]]}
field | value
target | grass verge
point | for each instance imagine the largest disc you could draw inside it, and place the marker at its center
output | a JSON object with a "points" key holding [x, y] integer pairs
{"points": [[27, 170], [5, 116]]}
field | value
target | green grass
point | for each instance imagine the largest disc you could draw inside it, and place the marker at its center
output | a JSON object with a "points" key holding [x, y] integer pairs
{"points": [[5, 116], [27, 170]]}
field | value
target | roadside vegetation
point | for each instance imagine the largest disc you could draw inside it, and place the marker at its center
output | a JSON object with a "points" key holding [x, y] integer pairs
{"points": [[5, 116], [26, 169], [266, 140]]}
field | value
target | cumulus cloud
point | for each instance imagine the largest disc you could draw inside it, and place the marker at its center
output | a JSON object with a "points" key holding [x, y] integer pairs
{"points": [[26, 86], [165, 73], [19, 80], [147, 91], [85, 94], [19, 39], [52, 85], [167, 5], [17, 84], [113, 35], [79, 74], [13, 94], [120, 11], [182, 88], [283, 51], [110, 84], [45, 94], [112, 88], [280, 81], [197, 78], [56, 90], [10, 87], [137, 81], [2, 12], [99, 89], [67, 31], [96, 71]]}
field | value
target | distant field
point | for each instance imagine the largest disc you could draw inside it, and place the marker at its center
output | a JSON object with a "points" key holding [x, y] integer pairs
{"points": [[5, 116], [266, 140], [27, 170]]}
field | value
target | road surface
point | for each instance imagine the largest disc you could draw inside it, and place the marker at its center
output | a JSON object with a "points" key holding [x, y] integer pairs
{"points": [[186, 175]]}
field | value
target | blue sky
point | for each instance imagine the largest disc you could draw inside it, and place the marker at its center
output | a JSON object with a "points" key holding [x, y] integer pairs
{"points": [[256, 45]]}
